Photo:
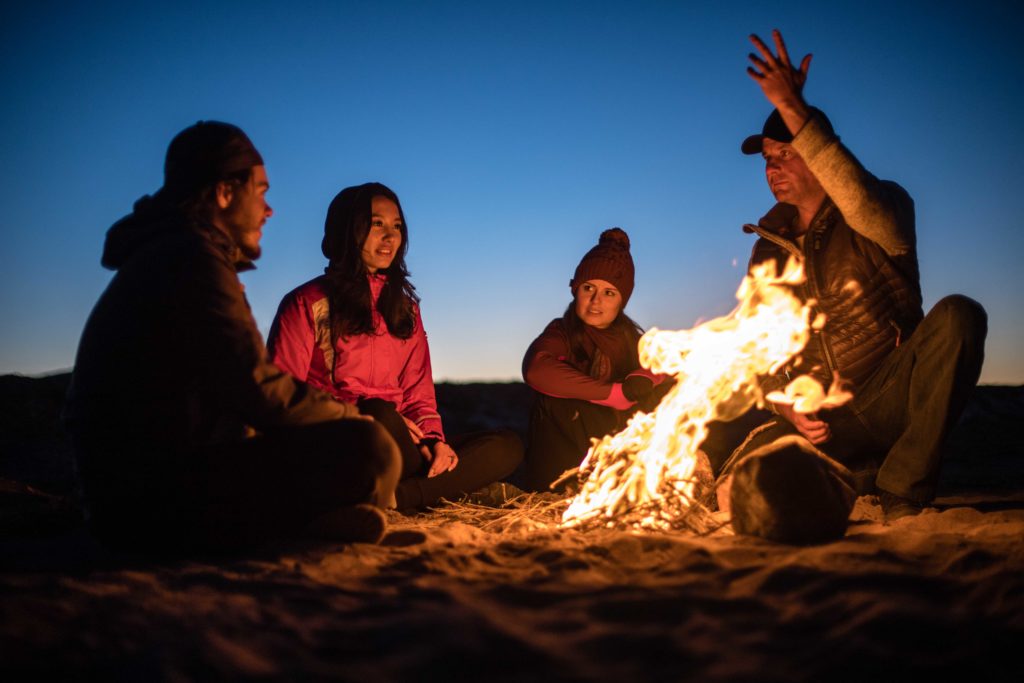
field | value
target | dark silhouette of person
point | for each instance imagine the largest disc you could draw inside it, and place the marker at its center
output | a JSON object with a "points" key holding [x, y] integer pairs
{"points": [[185, 435]]}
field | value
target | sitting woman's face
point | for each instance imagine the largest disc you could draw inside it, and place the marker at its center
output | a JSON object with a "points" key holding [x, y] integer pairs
{"points": [[385, 235], [598, 303]]}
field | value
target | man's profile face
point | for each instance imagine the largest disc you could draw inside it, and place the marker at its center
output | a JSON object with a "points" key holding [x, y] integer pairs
{"points": [[789, 178], [248, 211]]}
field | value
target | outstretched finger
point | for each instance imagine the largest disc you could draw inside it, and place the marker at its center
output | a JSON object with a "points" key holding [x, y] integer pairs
{"points": [[780, 47], [805, 65], [758, 62], [755, 74], [762, 48]]}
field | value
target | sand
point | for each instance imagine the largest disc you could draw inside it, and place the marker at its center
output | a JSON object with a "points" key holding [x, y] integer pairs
{"points": [[483, 595], [940, 593]]}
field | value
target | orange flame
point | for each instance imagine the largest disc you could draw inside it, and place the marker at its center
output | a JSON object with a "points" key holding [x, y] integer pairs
{"points": [[643, 477], [806, 394]]}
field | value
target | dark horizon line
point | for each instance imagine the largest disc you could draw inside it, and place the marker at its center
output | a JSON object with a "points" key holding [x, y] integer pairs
{"points": [[67, 371]]}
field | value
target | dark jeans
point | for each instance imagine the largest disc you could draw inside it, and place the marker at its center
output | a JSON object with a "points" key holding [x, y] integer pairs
{"points": [[484, 457], [238, 494], [560, 434], [892, 433]]}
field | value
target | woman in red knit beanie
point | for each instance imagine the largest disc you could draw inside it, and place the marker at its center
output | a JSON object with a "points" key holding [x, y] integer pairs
{"points": [[584, 365]]}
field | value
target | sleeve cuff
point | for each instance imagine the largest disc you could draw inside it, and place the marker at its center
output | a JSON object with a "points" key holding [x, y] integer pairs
{"points": [[616, 399]]}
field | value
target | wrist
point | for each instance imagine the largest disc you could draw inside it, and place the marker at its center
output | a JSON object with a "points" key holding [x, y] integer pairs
{"points": [[795, 113]]}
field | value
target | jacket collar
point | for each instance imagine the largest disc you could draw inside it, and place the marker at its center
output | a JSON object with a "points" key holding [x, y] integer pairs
{"points": [[777, 225], [377, 282]]}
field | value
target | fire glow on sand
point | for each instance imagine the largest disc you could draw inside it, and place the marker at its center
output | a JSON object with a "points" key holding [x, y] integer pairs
{"points": [[645, 477]]}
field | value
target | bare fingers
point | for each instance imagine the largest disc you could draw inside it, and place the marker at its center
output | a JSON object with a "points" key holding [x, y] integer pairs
{"points": [[444, 459], [770, 60], [780, 47], [805, 66], [759, 67], [763, 48], [816, 432], [442, 465], [819, 435]]}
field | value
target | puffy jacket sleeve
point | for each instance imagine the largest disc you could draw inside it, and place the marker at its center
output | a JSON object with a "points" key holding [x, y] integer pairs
{"points": [[880, 210], [417, 382], [235, 360], [546, 369], [292, 336]]}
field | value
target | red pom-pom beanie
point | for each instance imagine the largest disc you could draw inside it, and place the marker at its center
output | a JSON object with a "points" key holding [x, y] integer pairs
{"points": [[610, 261]]}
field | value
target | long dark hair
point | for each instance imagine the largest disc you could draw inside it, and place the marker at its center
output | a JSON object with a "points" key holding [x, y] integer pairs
{"points": [[623, 326], [345, 231]]}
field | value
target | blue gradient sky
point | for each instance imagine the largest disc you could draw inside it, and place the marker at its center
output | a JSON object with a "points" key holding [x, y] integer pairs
{"points": [[514, 134]]}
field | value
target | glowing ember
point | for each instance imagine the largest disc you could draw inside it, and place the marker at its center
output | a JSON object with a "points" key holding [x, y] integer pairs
{"points": [[644, 476]]}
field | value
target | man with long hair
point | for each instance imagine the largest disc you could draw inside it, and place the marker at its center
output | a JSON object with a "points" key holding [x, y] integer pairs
{"points": [[185, 435]]}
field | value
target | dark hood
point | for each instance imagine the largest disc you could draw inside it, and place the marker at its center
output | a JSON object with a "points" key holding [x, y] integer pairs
{"points": [[152, 219], [149, 219]]}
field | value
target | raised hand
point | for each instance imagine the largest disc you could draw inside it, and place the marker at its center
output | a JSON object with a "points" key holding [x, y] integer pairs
{"points": [[781, 82]]}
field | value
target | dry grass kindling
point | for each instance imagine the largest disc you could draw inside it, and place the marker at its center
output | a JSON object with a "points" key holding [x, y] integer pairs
{"points": [[529, 513]]}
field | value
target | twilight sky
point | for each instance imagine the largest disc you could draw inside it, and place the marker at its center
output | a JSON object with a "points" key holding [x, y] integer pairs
{"points": [[513, 133]]}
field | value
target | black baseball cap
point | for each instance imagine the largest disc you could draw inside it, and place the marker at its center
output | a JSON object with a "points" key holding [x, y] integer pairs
{"points": [[775, 129]]}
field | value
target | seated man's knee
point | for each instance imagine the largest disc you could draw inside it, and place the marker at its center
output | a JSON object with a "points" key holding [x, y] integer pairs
{"points": [[377, 408], [962, 316], [382, 451]]}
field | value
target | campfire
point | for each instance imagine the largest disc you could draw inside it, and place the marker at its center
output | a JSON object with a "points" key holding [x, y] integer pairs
{"points": [[647, 476]]}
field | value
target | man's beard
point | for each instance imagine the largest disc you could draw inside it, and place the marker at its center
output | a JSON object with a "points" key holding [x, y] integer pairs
{"points": [[249, 252]]}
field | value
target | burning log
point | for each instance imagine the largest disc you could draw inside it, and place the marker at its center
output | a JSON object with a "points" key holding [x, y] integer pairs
{"points": [[789, 491]]}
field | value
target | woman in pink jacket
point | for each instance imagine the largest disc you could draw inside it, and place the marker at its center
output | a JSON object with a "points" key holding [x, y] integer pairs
{"points": [[585, 366], [356, 333]]}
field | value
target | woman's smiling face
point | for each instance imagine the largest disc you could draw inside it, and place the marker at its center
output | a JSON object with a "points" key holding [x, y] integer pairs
{"points": [[385, 235]]}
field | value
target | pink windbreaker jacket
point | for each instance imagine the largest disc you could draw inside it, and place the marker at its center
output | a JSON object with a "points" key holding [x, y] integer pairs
{"points": [[375, 365]]}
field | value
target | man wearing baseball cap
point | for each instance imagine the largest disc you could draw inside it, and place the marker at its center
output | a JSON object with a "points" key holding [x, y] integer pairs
{"points": [[910, 374], [185, 435]]}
